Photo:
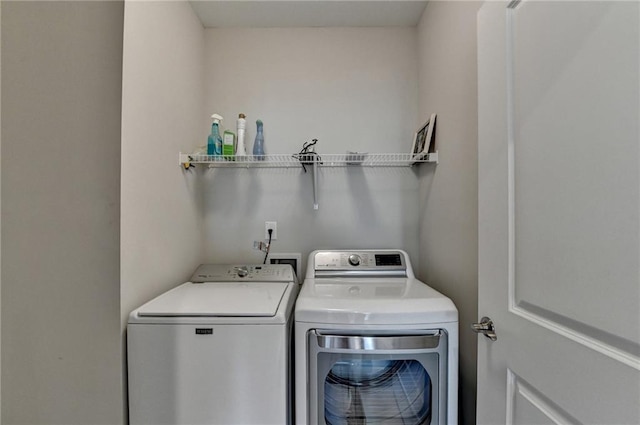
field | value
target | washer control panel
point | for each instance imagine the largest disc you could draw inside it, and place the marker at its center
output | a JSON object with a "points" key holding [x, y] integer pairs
{"points": [[363, 261], [243, 273]]}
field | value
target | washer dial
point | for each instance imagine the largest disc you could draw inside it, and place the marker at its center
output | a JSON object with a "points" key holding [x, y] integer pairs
{"points": [[242, 271]]}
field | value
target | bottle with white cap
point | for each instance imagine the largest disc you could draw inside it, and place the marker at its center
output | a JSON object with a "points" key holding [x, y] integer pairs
{"points": [[214, 141], [241, 126]]}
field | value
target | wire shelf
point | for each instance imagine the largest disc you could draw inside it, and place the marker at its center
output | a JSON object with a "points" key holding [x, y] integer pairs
{"points": [[310, 161], [322, 160]]}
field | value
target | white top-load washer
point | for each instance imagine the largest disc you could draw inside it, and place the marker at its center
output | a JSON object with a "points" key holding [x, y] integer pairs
{"points": [[215, 350], [372, 343]]}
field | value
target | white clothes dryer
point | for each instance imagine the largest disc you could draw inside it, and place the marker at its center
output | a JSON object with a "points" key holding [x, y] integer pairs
{"points": [[373, 344], [215, 350]]}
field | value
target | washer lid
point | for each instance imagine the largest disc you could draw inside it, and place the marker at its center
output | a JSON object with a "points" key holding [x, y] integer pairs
{"points": [[253, 299]]}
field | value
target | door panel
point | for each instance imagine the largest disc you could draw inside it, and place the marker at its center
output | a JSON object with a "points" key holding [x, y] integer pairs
{"points": [[559, 208], [576, 203], [528, 405]]}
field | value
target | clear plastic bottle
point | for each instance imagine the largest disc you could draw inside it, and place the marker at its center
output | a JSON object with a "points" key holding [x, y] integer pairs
{"points": [[258, 144], [214, 141]]}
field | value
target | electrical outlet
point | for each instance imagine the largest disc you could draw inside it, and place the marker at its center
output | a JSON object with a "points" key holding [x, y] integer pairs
{"points": [[273, 225]]}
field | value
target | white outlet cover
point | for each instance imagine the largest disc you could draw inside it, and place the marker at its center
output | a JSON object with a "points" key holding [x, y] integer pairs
{"points": [[271, 225]]}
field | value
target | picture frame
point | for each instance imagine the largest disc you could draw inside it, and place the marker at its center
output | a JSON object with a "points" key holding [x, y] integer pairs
{"points": [[423, 139]]}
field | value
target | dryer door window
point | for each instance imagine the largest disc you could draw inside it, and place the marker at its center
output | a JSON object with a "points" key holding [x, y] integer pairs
{"points": [[367, 390], [356, 379]]}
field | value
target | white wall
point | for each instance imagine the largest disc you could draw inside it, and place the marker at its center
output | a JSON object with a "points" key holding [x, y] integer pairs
{"points": [[162, 103], [351, 88], [0, 219], [448, 206], [61, 99]]}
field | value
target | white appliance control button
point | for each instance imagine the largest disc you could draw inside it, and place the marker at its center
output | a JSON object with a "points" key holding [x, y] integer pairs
{"points": [[354, 260]]}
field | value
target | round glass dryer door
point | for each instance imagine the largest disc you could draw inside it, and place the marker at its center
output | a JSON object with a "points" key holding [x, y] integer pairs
{"points": [[365, 390]]}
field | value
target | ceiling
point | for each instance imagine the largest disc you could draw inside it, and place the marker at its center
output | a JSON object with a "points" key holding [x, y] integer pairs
{"points": [[308, 13]]}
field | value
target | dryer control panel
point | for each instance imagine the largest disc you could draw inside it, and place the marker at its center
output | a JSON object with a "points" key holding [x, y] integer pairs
{"points": [[360, 262], [244, 273]]}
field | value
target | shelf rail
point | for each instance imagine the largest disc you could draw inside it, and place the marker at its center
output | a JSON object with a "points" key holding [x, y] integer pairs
{"points": [[322, 160]]}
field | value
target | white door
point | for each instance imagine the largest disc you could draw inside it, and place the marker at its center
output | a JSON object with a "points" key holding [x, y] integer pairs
{"points": [[559, 212]]}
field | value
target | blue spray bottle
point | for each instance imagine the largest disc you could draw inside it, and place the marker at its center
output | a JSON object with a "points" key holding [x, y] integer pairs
{"points": [[214, 142], [258, 144]]}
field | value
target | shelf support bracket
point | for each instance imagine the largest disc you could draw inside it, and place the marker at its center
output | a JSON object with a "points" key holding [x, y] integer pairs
{"points": [[315, 183]]}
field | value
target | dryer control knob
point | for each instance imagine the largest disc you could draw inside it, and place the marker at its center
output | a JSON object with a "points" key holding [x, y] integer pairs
{"points": [[242, 271], [354, 260]]}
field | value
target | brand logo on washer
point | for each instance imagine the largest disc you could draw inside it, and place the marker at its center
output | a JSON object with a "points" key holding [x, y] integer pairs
{"points": [[204, 331]]}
